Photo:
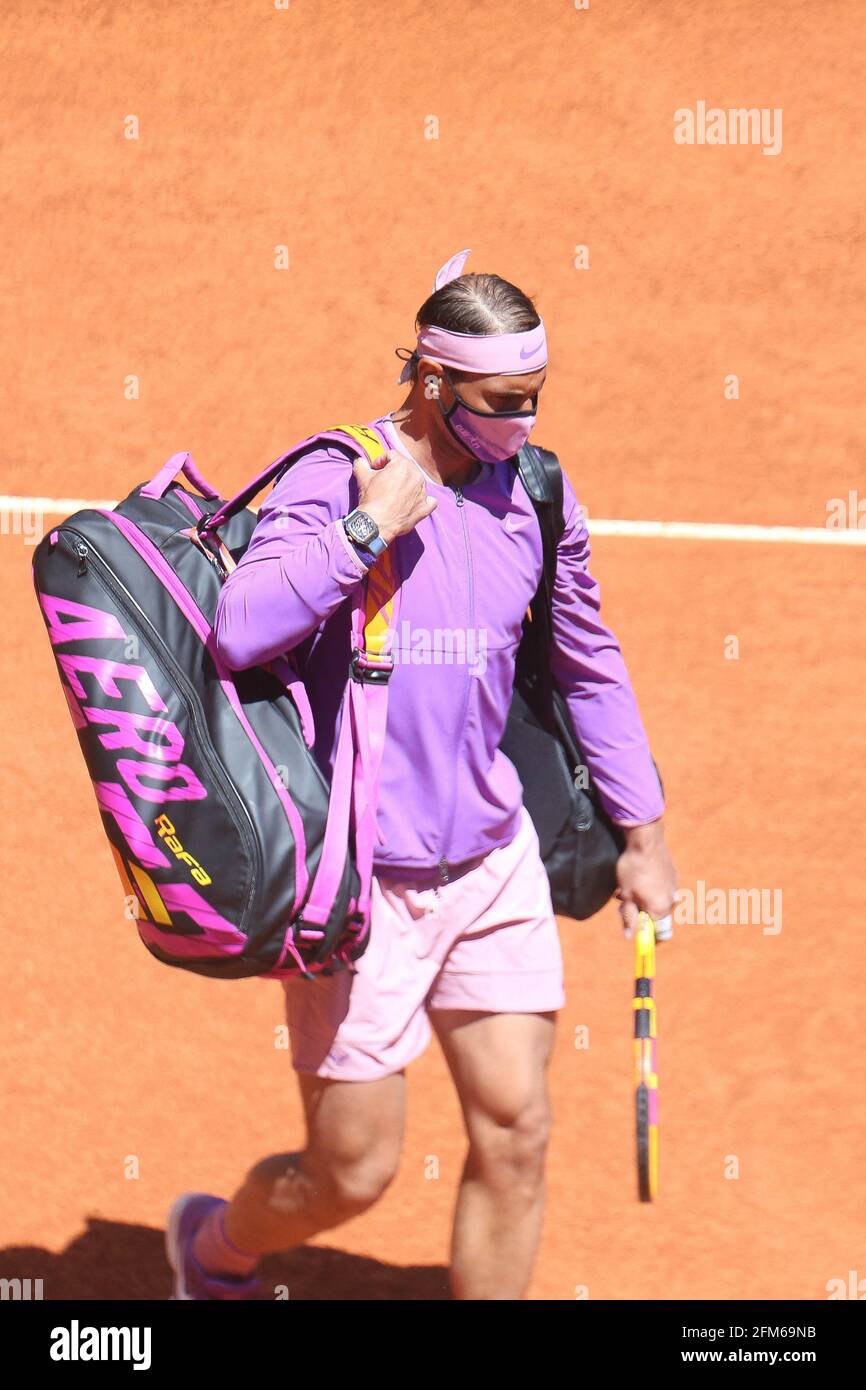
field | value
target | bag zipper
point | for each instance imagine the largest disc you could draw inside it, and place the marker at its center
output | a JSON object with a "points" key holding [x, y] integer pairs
{"points": [[174, 672]]}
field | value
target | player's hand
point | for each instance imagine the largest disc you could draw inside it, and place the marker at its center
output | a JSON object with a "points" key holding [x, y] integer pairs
{"points": [[647, 880], [393, 492]]}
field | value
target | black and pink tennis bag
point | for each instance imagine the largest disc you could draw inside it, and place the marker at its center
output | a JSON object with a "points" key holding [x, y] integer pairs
{"points": [[236, 855]]}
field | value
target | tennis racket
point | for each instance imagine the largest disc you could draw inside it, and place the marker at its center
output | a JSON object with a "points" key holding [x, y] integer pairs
{"points": [[645, 1063]]}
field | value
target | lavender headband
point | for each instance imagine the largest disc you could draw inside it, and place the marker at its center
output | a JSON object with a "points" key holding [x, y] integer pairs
{"points": [[489, 354]]}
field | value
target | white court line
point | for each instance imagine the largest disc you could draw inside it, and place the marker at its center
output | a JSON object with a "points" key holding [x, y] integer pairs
{"points": [[654, 530], [723, 531]]}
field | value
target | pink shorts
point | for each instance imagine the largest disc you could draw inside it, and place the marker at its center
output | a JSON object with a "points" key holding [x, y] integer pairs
{"points": [[486, 940]]}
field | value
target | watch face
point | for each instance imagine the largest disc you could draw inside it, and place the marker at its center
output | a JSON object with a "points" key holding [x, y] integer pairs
{"points": [[362, 528]]}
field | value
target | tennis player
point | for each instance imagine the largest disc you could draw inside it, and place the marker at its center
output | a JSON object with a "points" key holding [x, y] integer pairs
{"points": [[463, 938]]}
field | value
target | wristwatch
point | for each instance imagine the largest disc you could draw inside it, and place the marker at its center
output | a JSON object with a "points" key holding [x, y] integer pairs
{"points": [[363, 532]]}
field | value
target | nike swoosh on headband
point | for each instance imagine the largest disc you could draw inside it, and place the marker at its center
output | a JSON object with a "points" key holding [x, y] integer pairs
{"points": [[531, 352]]}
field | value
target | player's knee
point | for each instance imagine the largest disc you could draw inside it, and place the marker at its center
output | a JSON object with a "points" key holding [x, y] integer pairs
{"points": [[356, 1185], [512, 1149], [353, 1171]]}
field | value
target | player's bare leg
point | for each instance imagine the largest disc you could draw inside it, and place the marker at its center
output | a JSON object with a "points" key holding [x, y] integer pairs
{"points": [[499, 1064], [354, 1138]]}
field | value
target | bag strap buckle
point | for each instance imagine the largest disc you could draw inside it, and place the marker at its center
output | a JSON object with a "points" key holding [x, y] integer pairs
{"points": [[370, 670]]}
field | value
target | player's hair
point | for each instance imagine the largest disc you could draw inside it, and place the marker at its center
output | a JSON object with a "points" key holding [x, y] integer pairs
{"points": [[477, 304]]}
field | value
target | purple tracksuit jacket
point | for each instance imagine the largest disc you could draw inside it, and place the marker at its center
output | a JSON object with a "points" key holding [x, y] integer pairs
{"points": [[469, 571]]}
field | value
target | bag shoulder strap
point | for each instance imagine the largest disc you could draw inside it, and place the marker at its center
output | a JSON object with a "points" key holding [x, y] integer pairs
{"points": [[358, 437], [375, 620], [360, 745], [541, 474]]}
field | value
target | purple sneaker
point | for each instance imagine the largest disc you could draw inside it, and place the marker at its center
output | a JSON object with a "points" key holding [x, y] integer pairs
{"points": [[190, 1280]]}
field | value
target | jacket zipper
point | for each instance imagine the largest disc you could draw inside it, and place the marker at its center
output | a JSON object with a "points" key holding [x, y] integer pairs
{"points": [[443, 862], [86, 558]]}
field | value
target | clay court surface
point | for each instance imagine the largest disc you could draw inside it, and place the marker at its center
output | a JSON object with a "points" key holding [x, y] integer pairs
{"points": [[154, 258]]}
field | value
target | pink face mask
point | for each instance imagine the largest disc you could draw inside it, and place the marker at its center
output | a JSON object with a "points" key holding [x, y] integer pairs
{"points": [[491, 436]]}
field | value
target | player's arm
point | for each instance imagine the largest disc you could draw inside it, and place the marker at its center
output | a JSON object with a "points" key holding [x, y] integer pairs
{"points": [[591, 673]]}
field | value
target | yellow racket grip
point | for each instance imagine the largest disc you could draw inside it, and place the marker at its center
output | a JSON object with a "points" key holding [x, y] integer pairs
{"points": [[645, 947]]}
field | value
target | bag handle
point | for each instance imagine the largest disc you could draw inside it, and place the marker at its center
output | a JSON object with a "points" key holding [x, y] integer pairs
{"points": [[178, 463]]}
